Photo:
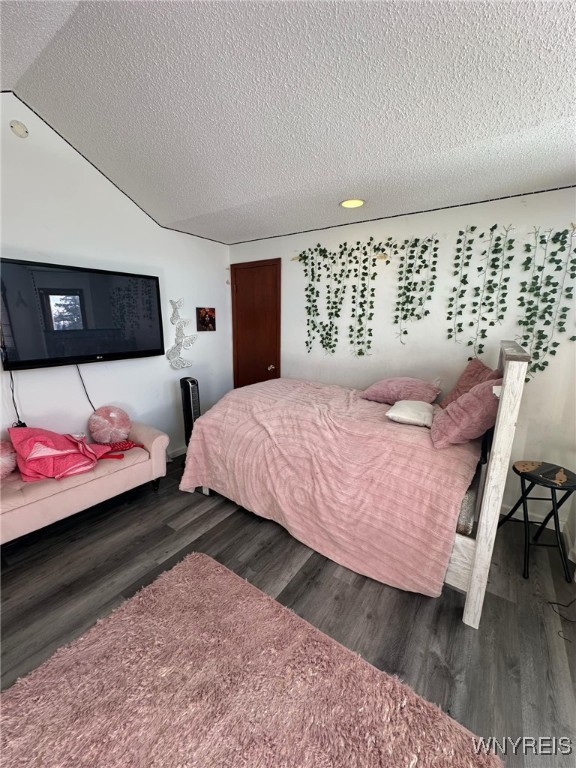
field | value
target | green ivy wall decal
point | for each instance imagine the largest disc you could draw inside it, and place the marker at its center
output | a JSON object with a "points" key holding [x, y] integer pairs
{"points": [[489, 303], [458, 295], [363, 258], [417, 273], [343, 281], [484, 304], [328, 329], [349, 271], [312, 294], [550, 258], [545, 297]]}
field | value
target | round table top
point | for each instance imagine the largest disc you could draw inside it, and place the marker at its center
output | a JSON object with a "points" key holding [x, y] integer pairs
{"points": [[549, 475]]}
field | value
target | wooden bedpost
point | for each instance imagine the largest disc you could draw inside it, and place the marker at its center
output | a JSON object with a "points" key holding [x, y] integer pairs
{"points": [[514, 364]]}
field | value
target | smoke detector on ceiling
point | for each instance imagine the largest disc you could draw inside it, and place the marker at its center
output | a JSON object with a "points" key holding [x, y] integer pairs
{"points": [[19, 129]]}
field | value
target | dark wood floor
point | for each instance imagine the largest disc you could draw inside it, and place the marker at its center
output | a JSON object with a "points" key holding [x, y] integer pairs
{"points": [[512, 677]]}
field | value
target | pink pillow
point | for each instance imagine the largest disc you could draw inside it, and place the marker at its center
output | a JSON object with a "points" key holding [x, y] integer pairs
{"points": [[466, 418], [474, 373], [109, 424], [401, 388], [7, 458]]}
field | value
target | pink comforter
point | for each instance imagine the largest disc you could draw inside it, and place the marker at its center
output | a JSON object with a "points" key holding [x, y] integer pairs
{"points": [[369, 493]]}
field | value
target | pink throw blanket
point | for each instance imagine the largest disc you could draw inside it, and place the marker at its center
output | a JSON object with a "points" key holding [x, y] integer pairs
{"points": [[367, 492], [42, 453]]}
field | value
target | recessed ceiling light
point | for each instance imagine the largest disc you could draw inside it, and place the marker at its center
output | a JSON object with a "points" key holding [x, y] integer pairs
{"points": [[353, 203], [19, 129]]}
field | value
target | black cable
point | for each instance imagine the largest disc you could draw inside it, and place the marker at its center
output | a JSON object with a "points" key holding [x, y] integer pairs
{"points": [[18, 422], [562, 605], [84, 385]]}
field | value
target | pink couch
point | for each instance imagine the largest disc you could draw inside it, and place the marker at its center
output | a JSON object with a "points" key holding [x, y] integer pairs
{"points": [[26, 507]]}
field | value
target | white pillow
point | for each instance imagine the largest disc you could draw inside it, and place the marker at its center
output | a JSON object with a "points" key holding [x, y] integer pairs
{"points": [[412, 412]]}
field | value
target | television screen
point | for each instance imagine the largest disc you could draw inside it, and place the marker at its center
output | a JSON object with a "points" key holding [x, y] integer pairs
{"points": [[58, 315]]}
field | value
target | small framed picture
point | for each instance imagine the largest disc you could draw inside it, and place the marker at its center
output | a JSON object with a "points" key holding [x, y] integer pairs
{"points": [[205, 319]]}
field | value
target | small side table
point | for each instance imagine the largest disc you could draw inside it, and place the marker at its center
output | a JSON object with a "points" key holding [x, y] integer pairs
{"points": [[555, 478]]}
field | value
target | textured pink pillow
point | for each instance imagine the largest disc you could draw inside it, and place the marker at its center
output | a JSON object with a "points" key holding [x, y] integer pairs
{"points": [[401, 388], [109, 424], [466, 418], [7, 458], [474, 373]]}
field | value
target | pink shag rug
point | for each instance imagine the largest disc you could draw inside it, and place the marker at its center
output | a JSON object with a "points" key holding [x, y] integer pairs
{"points": [[202, 670]]}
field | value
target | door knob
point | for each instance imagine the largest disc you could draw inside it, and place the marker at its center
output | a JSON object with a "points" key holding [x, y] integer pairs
{"points": [[271, 367]]}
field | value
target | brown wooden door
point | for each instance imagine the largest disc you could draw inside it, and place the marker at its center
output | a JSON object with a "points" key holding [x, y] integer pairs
{"points": [[256, 321]]}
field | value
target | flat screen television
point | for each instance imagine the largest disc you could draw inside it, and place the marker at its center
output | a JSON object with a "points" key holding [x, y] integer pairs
{"points": [[58, 315]]}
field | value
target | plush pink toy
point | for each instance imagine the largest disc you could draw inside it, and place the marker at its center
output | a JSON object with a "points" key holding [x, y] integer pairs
{"points": [[7, 458], [109, 424]]}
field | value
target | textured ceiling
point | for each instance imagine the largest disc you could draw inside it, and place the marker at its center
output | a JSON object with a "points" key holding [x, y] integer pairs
{"points": [[26, 29], [242, 120]]}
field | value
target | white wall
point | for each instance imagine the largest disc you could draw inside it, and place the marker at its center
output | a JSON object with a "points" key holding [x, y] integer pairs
{"points": [[57, 208], [547, 424]]}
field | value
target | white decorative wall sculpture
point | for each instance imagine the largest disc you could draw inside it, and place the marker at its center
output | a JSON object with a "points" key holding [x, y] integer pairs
{"points": [[182, 341]]}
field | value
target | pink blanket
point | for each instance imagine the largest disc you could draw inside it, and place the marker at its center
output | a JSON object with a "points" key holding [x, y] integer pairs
{"points": [[42, 453], [369, 493]]}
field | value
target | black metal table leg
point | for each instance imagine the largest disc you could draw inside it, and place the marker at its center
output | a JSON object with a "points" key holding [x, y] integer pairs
{"points": [[526, 526], [543, 524], [559, 538], [550, 514], [515, 507]]}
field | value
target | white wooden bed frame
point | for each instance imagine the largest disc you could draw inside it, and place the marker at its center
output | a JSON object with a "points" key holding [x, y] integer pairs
{"points": [[470, 560]]}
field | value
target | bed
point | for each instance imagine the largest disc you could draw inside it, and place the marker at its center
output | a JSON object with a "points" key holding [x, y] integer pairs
{"points": [[369, 493]]}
